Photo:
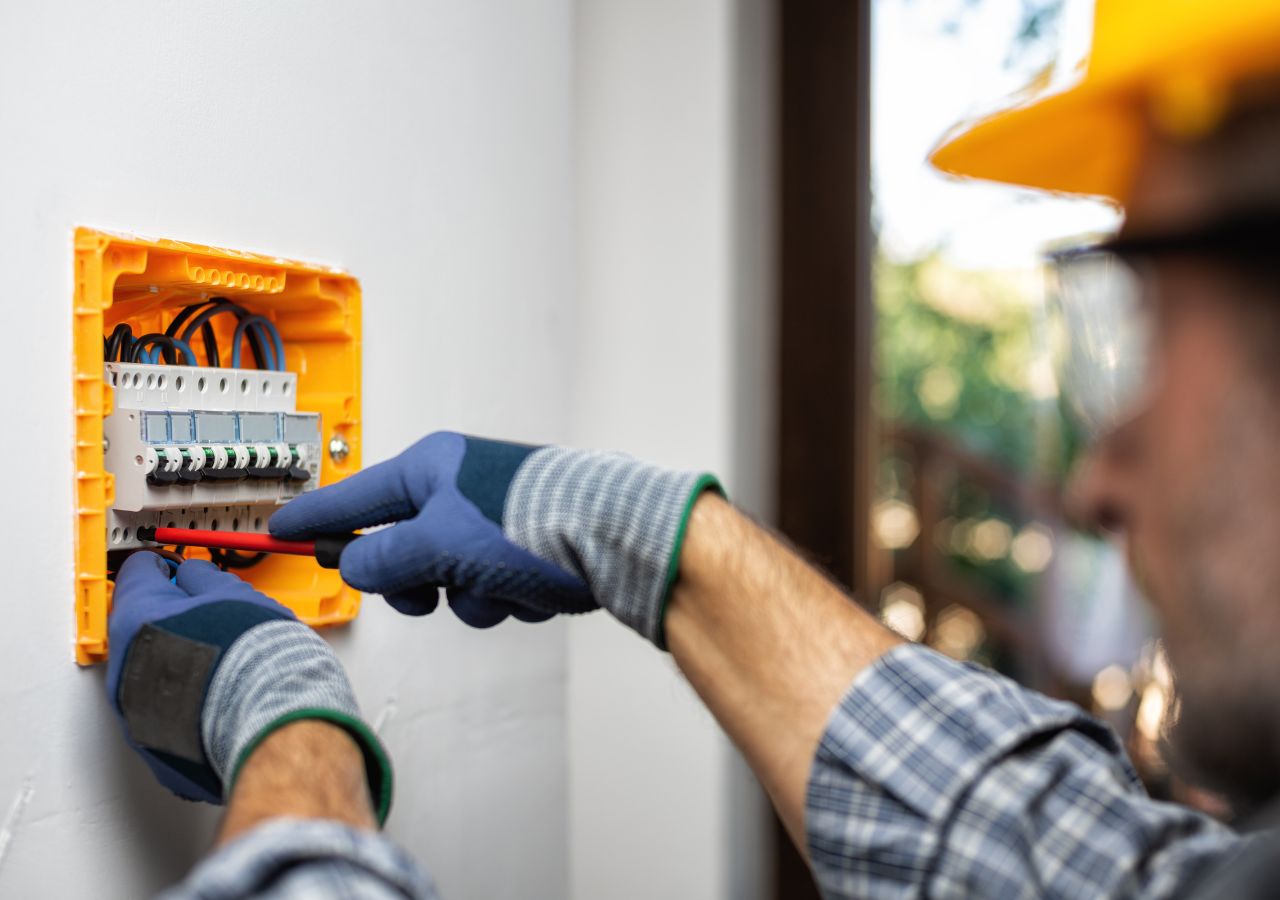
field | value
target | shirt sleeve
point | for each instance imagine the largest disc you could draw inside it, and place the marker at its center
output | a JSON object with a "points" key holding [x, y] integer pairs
{"points": [[293, 859], [941, 778]]}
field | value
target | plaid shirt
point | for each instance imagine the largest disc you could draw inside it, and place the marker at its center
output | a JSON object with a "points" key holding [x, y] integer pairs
{"points": [[944, 779], [933, 778], [306, 859]]}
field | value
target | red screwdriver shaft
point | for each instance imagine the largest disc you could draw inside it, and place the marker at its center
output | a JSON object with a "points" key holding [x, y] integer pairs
{"points": [[231, 540], [326, 549]]}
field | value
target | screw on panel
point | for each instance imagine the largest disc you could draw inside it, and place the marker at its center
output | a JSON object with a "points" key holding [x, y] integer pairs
{"points": [[106, 444], [338, 448]]}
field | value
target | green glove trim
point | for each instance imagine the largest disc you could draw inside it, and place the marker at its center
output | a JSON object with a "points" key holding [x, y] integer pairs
{"points": [[377, 765], [705, 482]]}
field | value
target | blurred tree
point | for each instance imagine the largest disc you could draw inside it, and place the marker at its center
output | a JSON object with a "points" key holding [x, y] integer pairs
{"points": [[1037, 26], [959, 350], [961, 353]]}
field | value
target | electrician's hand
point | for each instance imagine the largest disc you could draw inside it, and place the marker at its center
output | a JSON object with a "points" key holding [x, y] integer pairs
{"points": [[203, 668], [447, 493], [507, 529]]}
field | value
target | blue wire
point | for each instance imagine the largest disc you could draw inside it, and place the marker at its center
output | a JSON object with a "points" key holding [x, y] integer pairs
{"points": [[268, 351], [153, 355], [266, 326], [271, 331], [191, 329], [218, 307], [186, 349]]}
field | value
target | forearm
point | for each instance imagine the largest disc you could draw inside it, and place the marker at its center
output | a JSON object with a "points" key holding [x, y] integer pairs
{"points": [[309, 769], [769, 644], [907, 770]]}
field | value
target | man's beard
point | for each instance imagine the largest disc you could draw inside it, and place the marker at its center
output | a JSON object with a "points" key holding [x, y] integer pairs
{"points": [[1227, 738], [1227, 671], [1226, 732]]}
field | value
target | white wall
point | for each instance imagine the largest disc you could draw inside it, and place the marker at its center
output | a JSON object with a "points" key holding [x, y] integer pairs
{"points": [[674, 278], [425, 146], [429, 147]]}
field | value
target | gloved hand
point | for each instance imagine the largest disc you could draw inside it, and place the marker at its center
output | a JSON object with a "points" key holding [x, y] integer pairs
{"points": [[203, 668], [508, 529]]}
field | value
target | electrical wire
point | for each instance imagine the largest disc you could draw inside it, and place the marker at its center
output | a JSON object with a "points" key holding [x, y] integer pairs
{"points": [[150, 347], [206, 330], [116, 558], [262, 334], [119, 344], [174, 556], [262, 327], [234, 559], [186, 313], [141, 348], [276, 347], [218, 306], [186, 350]]}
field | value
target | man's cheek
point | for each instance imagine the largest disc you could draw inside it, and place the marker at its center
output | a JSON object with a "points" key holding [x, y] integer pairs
{"points": [[1159, 567], [1146, 575]]}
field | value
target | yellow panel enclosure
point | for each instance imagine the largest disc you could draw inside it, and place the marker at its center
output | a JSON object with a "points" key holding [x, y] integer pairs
{"points": [[161, 438]]}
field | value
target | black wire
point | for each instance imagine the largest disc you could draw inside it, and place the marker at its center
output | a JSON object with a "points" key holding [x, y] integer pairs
{"points": [[206, 330], [137, 349], [255, 340], [219, 305], [183, 314], [232, 559], [127, 342], [121, 339], [167, 347], [210, 345], [116, 558], [255, 344], [121, 346], [171, 555]]}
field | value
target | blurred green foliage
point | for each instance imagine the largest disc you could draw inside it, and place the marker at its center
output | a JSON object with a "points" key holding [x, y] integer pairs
{"points": [[961, 351], [964, 353]]}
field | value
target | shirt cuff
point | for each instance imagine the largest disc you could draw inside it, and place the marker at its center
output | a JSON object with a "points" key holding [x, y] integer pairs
{"points": [[907, 741], [288, 858]]}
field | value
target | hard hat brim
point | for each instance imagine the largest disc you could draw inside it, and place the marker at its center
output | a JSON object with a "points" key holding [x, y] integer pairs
{"points": [[1171, 64], [1082, 141]]}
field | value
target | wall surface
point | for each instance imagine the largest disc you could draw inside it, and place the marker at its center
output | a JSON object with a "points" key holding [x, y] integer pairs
{"points": [[674, 136], [424, 146], [447, 154]]}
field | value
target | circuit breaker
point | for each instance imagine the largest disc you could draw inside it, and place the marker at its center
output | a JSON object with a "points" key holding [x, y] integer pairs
{"points": [[211, 387], [214, 449]]}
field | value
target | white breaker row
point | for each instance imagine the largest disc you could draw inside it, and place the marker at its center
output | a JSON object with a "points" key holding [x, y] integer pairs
{"points": [[204, 448]]}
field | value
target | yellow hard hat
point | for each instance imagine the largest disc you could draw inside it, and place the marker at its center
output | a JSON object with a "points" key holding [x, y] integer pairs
{"points": [[1172, 62]]}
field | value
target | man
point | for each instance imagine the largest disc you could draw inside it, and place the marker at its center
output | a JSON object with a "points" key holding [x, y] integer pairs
{"points": [[895, 770]]}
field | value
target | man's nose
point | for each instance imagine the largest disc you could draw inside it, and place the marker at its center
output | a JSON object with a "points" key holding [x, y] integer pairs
{"points": [[1095, 495]]}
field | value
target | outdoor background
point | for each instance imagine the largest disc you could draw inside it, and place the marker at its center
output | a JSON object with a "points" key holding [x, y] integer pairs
{"points": [[978, 437]]}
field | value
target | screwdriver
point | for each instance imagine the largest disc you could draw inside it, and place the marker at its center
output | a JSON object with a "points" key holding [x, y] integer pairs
{"points": [[326, 548]]}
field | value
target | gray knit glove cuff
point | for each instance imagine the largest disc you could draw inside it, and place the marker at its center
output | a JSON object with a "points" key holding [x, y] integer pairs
{"points": [[274, 674], [614, 521]]}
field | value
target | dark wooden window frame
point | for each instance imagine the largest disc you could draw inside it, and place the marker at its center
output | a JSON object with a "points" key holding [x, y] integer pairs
{"points": [[826, 446]]}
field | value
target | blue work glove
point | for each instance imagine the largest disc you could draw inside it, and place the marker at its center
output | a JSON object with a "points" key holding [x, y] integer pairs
{"points": [[508, 529], [203, 668]]}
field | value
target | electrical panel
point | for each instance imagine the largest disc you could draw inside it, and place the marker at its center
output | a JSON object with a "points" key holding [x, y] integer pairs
{"points": [[168, 434], [205, 448]]}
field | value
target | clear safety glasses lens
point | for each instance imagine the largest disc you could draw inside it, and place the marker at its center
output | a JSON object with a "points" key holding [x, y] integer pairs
{"points": [[1101, 336]]}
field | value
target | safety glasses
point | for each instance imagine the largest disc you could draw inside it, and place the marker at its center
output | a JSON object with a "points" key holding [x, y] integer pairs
{"points": [[1100, 336], [1101, 325]]}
